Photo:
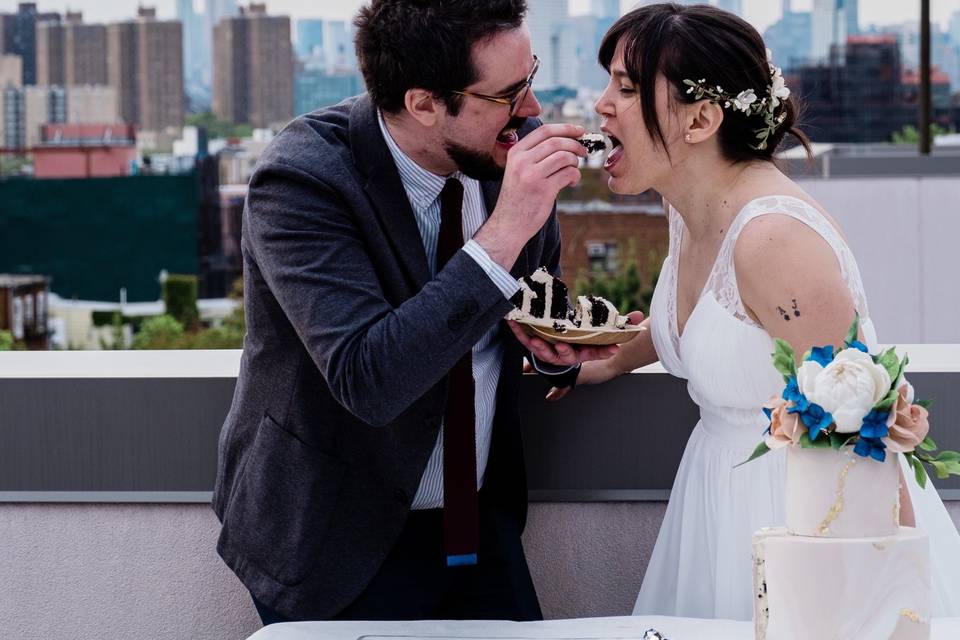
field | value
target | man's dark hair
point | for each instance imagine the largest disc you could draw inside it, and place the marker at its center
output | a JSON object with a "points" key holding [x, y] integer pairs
{"points": [[426, 44], [700, 42]]}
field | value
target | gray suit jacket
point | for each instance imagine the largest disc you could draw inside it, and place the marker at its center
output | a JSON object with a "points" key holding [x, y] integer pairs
{"points": [[342, 383]]}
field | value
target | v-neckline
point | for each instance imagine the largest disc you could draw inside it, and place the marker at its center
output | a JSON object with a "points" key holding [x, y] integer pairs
{"points": [[676, 269]]}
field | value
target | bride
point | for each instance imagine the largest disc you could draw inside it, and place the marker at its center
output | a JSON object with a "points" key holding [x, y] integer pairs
{"points": [[696, 110]]}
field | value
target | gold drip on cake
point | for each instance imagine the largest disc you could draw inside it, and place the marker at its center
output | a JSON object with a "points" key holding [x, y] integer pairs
{"points": [[837, 506], [910, 615]]}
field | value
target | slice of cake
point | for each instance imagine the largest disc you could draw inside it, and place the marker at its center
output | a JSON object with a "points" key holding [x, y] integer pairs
{"points": [[543, 300], [541, 297], [593, 142], [594, 311]]}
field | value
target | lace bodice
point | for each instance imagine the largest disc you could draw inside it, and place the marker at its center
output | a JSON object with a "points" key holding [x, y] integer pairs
{"points": [[719, 334]]}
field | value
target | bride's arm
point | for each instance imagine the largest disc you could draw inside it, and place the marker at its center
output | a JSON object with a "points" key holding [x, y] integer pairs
{"points": [[790, 282]]}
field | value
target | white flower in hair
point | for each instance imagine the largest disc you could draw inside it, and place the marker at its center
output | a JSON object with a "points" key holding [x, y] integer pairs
{"points": [[744, 99], [778, 88]]}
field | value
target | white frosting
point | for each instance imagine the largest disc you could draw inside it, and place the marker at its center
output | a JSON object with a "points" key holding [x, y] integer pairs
{"points": [[580, 318], [839, 494], [853, 588], [583, 314]]}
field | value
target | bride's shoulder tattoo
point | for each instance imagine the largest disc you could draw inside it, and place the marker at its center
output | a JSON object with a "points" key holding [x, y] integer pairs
{"points": [[794, 308]]}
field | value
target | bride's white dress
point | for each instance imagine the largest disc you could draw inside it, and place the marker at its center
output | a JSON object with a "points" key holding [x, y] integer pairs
{"points": [[701, 564]]}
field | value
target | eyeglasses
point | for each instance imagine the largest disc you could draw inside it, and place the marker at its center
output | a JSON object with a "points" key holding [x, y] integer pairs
{"points": [[515, 98]]}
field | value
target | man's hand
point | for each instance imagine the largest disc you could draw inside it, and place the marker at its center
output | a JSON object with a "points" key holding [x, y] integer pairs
{"points": [[538, 167]]}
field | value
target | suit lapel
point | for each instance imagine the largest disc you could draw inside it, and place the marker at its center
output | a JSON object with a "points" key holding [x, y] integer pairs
{"points": [[386, 192]]}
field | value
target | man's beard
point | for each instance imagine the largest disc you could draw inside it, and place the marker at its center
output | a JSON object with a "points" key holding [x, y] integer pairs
{"points": [[475, 164]]}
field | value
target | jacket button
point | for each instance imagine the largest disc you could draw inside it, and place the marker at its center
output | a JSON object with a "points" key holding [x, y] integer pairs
{"points": [[401, 496]]}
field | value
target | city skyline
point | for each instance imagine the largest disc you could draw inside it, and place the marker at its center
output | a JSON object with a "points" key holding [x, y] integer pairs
{"points": [[760, 13]]}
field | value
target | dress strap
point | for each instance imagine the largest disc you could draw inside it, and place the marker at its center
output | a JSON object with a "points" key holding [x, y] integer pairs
{"points": [[722, 282]]}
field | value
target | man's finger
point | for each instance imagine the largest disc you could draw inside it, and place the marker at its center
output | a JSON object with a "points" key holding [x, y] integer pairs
{"points": [[543, 132]]}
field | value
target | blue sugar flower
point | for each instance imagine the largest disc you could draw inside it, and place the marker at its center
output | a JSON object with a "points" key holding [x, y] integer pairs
{"points": [[856, 344], [822, 355], [815, 418], [874, 425], [791, 393], [872, 447]]}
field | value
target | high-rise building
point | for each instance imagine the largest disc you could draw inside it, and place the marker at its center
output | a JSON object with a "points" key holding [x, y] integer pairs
{"points": [[733, 6], [71, 52], [605, 8], [553, 37], [833, 21], [145, 65], [11, 70], [253, 68], [18, 36], [309, 37], [789, 39], [339, 54], [314, 89], [196, 57], [14, 119]]}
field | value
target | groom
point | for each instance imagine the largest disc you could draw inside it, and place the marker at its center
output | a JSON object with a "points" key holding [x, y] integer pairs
{"points": [[371, 465]]}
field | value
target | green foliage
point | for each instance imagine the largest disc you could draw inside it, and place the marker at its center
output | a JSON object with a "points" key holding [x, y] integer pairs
{"points": [[180, 299], [117, 339], [784, 359], [217, 128], [911, 135], [6, 341], [159, 332], [626, 289], [761, 449]]}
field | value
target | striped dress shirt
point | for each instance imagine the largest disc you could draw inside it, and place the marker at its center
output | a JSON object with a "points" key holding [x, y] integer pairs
{"points": [[423, 190]]}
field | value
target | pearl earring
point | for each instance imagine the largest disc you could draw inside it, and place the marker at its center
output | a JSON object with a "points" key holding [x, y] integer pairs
{"points": [[688, 138]]}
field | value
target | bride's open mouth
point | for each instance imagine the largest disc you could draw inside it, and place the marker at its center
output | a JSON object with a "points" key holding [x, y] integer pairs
{"points": [[615, 152]]}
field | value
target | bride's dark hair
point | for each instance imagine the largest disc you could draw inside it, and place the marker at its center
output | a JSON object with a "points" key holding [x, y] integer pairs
{"points": [[701, 42]]}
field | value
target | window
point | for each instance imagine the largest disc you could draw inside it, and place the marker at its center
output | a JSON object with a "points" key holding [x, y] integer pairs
{"points": [[603, 257]]}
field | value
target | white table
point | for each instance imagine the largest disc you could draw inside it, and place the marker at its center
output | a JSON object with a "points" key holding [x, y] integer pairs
{"points": [[580, 628]]}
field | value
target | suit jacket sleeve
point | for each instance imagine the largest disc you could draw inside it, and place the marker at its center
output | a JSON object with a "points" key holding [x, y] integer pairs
{"points": [[376, 358]]}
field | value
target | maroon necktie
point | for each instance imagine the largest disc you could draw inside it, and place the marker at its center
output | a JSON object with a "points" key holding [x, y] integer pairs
{"points": [[460, 516]]}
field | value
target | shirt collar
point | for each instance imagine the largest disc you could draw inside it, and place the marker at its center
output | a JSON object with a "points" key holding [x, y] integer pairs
{"points": [[422, 186]]}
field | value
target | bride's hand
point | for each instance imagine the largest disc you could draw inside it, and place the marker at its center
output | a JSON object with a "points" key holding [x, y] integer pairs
{"points": [[594, 372]]}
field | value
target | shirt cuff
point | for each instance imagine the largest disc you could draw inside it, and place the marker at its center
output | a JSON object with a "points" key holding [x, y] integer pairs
{"points": [[497, 274]]}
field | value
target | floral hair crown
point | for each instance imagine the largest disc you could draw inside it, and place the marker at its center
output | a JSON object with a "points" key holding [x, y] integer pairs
{"points": [[747, 102]]}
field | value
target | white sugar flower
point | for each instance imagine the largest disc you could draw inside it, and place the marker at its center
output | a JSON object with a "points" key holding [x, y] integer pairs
{"points": [[778, 89], [847, 388], [744, 99]]}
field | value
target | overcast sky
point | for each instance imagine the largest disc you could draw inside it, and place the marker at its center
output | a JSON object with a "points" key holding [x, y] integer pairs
{"points": [[759, 12]]}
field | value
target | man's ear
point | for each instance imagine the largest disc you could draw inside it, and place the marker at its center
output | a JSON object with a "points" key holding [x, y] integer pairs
{"points": [[422, 106], [703, 121]]}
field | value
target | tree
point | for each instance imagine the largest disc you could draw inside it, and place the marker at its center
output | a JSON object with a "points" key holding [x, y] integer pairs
{"points": [[159, 332], [6, 341], [911, 135], [217, 128], [624, 289], [180, 299]]}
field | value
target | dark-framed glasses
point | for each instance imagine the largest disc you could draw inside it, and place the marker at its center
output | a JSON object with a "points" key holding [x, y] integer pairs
{"points": [[515, 98]]}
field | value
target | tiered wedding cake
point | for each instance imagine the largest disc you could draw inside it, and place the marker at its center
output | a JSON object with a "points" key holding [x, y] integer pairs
{"points": [[843, 567]]}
